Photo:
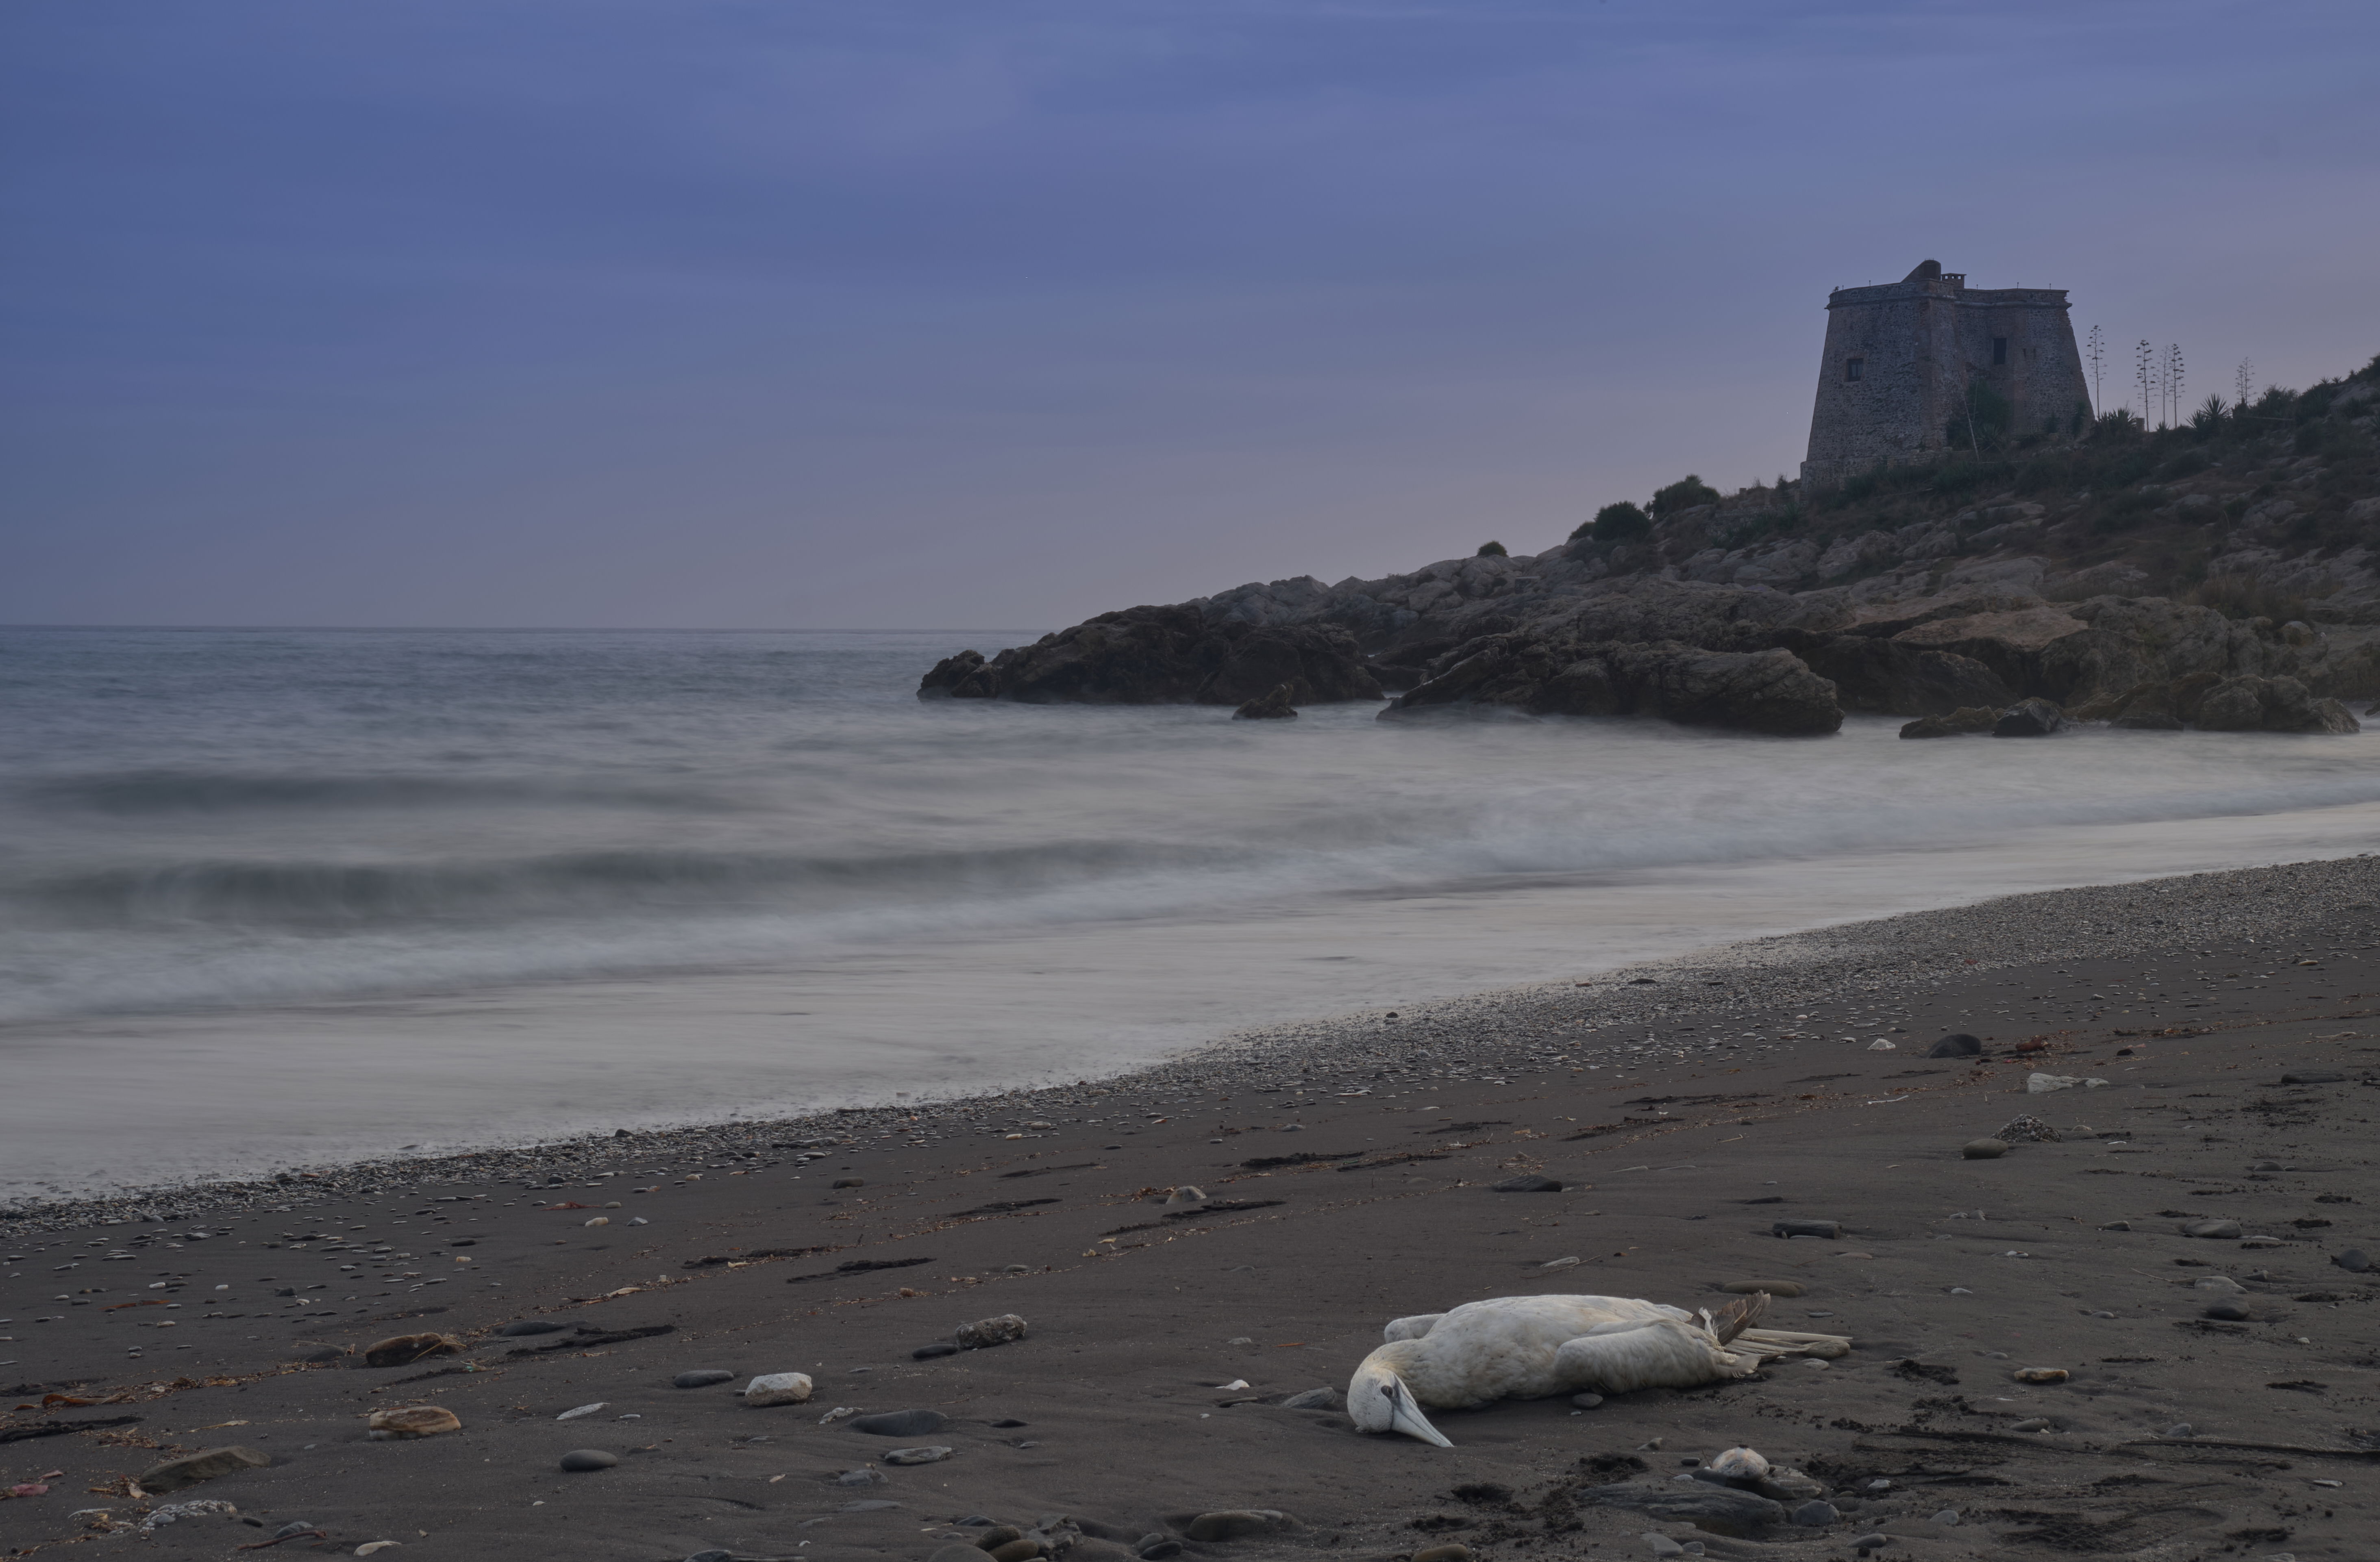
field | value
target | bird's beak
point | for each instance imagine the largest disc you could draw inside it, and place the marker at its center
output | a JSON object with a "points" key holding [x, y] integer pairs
{"points": [[1406, 1416]]}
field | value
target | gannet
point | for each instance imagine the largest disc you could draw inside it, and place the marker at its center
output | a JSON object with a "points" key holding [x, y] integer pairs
{"points": [[1532, 1346]]}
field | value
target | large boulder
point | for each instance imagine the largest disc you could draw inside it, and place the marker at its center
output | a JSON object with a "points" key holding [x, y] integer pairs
{"points": [[2269, 704], [1163, 656], [1890, 678], [1770, 691]]}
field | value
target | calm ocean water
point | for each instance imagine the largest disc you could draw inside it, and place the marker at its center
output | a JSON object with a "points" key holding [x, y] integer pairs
{"points": [[277, 896]]}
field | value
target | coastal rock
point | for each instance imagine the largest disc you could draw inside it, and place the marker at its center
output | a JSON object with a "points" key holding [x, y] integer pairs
{"points": [[404, 1349], [1559, 675], [778, 1388], [1006, 1329], [1163, 656], [1272, 706], [1232, 1524], [208, 1464], [1966, 718], [901, 1423], [2249, 704], [1890, 678], [2029, 719], [412, 1421]]}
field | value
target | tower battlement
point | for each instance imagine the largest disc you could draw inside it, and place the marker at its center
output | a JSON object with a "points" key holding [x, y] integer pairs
{"points": [[1900, 359]]}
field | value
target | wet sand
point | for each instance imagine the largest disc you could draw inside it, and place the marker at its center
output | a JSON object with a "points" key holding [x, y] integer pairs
{"points": [[1685, 1108]]}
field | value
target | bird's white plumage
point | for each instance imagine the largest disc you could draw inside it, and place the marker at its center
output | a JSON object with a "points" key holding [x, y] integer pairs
{"points": [[1531, 1347]]}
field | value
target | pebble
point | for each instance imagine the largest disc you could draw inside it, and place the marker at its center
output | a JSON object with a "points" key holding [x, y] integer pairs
{"points": [[412, 1421], [998, 1535], [404, 1349], [1958, 1045], [900, 1424], [2041, 1374], [1662, 1544], [1774, 1288], [191, 1469], [528, 1327], [2035, 1425], [1866, 1544], [927, 1352], [700, 1378], [1016, 1550], [866, 1475], [1815, 1514], [1442, 1553], [583, 1409], [2354, 1260], [1947, 1516], [1184, 1195], [1983, 1149], [1827, 1229], [1157, 1548], [368, 1547], [1003, 1330], [2236, 1311], [2213, 1230], [2224, 1283], [589, 1458], [851, 1183], [1230, 1523], [2180, 1429], [1880, 1045], [1560, 1264], [1527, 1182], [934, 1455], [778, 1388], [2117, 1226], [1587, 1402]]}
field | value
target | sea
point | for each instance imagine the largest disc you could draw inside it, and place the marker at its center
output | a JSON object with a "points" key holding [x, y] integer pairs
{"points": [[288, 898]]}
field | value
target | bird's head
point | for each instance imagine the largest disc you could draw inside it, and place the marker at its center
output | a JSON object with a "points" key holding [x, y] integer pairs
{"points": [[1377, 1400]]}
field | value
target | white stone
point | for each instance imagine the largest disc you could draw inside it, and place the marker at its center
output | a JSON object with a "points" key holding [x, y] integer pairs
{"points": [[778, 1388]]}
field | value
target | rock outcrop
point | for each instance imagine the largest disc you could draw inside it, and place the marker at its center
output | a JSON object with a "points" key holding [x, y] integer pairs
{"points": [[1163, 656], [1769, 691], [1273, 707]]}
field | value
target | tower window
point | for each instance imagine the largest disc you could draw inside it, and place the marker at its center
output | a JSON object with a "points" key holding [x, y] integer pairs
{"points": [[1999, 349], [1854, 369]]}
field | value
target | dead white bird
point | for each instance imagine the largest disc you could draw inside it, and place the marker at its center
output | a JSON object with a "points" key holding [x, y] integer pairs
{"points": [[1740, 1464], [1534, 1346]]}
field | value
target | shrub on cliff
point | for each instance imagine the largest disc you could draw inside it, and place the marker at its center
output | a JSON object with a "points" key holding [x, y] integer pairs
{"points": [[1491, 551], [1615, 522], [1684, 494]]}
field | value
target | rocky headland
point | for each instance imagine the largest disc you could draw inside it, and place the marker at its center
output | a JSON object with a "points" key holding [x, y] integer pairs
{"points": [[2217, 575]]}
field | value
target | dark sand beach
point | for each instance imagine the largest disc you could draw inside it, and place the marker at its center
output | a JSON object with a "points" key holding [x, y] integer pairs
{"points": [[1349, 1171]]}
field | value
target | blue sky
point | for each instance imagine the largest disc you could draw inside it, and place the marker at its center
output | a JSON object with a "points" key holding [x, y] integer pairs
{"points": [[764, 313]]}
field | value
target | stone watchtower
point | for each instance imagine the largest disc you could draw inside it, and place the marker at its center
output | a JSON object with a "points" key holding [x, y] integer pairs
{"points": [[1900, 357]]}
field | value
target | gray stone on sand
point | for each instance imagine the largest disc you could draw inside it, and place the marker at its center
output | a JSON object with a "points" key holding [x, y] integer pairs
{"points": [[866, 1475], [2213, 1230], [2180, 1429], [900, 1424], [932, 1455], [1868, 1542], [927, 1352], [1958, 1046], [1828, 1229], [589, 1458], [1815, 1515], [2235, 1311], [2355, 1261], [1157, 1548], [1947, 1516], [1528, 1184], [1231, 1523], [851, 1183], [208, 1464], [1315, 1400], [1693, 1503], [700, 1378], [1006, 1329], [2026, 1129], [1663, 1545], [1983, 1149]]}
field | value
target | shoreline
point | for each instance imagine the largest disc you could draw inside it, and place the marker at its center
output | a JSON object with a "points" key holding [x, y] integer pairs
{"points": [[1814, 965], [607, 1294]]}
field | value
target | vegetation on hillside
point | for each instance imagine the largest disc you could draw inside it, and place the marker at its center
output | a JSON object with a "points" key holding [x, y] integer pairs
{"points": [[2168, 502]]}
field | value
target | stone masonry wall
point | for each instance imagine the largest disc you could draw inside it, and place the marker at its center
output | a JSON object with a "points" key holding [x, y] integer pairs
{"points": [[1918, 341]]}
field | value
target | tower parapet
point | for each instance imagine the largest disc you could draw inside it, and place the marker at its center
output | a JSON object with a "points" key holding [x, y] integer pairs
{"points": [[1900, 359]]}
